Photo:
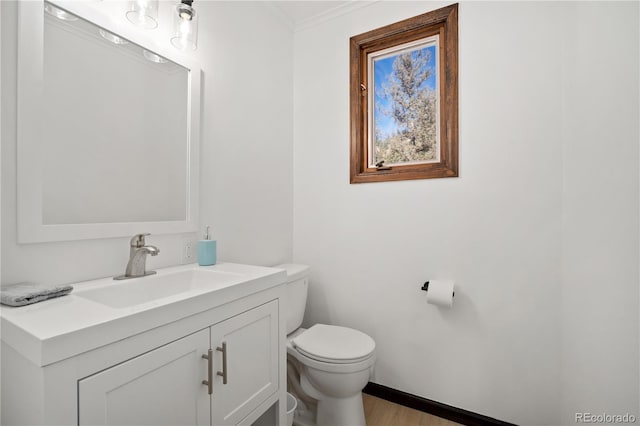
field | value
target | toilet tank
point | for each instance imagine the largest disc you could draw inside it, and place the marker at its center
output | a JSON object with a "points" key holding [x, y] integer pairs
{"points": [[295, 298]]}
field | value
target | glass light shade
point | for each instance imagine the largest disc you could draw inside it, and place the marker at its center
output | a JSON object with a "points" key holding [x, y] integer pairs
{"points": [[112, 37], [150, 56], [185, 28], [59, 13], [144, 13]]}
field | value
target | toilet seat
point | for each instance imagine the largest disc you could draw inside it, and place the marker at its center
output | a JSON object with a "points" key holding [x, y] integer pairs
{"points": [[334, 344]]}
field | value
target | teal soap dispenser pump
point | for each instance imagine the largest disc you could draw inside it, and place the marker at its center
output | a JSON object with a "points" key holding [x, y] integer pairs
{"points": [[207, 250]]}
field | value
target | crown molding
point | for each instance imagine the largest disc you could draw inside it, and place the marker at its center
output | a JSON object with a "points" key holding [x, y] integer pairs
{"points": [[331, 14], [319, 18], [277, 10]]}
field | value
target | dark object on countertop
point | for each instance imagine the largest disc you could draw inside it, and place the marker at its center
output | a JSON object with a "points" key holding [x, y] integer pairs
{"points": [[27, 293]]}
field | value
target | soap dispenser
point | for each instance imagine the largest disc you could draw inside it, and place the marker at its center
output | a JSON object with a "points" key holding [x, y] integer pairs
{"points": [[207, 250]]}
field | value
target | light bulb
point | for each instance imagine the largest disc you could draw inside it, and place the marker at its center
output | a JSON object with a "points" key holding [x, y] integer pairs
{"points": [[186, 14]]}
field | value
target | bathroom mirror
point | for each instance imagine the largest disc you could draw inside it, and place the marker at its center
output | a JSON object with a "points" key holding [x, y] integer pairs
{"points": [[107, 128]]}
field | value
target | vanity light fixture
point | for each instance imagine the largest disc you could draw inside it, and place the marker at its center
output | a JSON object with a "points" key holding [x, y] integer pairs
{"points": [[153, 57], [185, 26], [59, 13], [112, 37], [144, 13]]}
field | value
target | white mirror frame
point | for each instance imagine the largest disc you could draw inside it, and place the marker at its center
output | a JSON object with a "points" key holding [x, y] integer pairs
{"points": [[31, 228]]}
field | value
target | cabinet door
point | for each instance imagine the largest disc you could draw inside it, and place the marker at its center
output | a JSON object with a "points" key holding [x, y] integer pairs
{"points": [[251, 342], [161, 387]]}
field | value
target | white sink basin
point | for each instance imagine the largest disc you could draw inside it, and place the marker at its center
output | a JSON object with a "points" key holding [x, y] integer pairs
{"points": [[137, 291], [104, 311]]}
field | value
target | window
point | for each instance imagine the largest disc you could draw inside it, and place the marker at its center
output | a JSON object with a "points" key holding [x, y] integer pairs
{"points": [[404, 99]]}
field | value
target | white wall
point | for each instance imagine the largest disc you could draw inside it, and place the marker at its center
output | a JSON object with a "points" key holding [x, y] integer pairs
{"points": [[247, 164], [246, 187], [497, 230], [600, 209]]}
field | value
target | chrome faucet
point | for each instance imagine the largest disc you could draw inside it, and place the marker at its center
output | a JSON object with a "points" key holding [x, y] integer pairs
{"points": [[137, 266]]}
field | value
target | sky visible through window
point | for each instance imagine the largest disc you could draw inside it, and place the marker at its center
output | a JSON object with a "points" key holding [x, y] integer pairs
{"points": [[383, 69]]}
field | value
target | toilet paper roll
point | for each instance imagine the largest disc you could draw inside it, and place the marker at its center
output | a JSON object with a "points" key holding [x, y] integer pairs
{"points": [[440, 293]]}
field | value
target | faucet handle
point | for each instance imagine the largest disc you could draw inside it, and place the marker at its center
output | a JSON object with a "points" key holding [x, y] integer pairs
{"points": [[137, 240]]}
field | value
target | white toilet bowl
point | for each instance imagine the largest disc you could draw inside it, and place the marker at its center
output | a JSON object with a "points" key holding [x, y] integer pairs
{"points": [[333, 380], [327, 365]]}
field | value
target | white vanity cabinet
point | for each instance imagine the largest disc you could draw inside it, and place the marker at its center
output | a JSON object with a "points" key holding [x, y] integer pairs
{"points": [[202, 358], [250, 344], [165, 386], [161, 387]]}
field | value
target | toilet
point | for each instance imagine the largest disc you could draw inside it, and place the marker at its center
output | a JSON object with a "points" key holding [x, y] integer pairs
{"points": [[327, 365]]}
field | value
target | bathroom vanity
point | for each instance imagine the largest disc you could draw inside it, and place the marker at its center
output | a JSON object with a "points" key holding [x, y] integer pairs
{"points": [[190, 346]]}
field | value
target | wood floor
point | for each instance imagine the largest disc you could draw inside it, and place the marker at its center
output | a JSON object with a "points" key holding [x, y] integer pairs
{"points": [[379, 412]]}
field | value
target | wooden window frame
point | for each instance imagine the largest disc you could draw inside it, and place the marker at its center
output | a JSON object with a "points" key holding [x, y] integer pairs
{"points": [[443, 22]]}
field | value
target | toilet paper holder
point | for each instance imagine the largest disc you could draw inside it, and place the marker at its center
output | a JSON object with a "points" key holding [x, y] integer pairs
{"points": [[425, 287]]}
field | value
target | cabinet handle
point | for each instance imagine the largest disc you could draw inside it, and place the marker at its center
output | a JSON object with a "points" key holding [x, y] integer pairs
{"points": [[209, 381], [223, 373]]}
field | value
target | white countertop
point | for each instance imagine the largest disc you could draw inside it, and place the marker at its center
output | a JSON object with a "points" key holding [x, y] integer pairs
{"points": [[59, 328]]}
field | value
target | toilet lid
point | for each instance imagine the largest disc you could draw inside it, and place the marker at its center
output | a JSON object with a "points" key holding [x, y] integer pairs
{"points": [[331, 343]]}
